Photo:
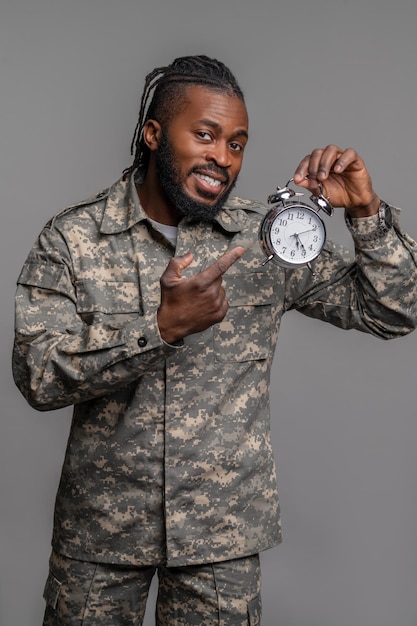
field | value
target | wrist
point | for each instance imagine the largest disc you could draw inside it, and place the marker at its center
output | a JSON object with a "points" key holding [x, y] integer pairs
{"points": [[371, 229], [176, 344], [367, 210], [168, 338]]}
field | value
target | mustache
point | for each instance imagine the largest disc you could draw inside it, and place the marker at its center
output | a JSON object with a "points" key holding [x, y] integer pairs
{"points": [[212, 168]]}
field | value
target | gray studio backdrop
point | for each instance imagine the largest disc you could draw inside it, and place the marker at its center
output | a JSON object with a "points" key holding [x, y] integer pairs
{"points": [[343, 404]]}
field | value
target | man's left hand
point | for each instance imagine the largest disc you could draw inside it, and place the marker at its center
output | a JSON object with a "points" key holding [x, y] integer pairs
{"points": [[343, 177]]}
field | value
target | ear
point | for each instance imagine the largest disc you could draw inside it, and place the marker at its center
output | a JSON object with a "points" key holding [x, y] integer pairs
{"points": [[152, 133]]}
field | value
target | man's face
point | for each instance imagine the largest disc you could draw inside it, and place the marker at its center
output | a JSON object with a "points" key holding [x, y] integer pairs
{"points": [[200, 154]]}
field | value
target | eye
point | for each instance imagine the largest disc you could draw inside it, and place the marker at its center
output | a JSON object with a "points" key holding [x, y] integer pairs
{"points": [[237, 147], [203, 134]]}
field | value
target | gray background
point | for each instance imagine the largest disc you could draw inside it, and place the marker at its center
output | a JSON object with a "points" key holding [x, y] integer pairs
{"points": [[344, 427]]}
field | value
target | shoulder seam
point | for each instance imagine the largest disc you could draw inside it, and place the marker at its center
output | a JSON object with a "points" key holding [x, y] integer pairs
{"points": [[101, 195]]}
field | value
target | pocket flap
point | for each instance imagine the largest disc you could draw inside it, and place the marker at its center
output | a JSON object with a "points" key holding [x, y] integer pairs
{"points": [[253, 289], [51, 591], [107, 296], [254, 611], [41, 274]]}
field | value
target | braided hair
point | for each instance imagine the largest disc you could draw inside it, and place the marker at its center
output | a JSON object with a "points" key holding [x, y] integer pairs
{"points": [[168, 84]]}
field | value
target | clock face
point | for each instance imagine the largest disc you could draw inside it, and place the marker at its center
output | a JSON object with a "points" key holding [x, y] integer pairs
{"points": [[295, 235]]}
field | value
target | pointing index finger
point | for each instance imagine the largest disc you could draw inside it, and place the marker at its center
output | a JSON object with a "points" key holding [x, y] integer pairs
{"points": [[219, 267]]}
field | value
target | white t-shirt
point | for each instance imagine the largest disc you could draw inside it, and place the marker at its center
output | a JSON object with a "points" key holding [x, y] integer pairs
{"points": [[170, 232]]}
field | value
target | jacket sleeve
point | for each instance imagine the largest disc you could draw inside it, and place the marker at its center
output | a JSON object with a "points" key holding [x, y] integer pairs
{"points": [[374, 290], [61, 357]]}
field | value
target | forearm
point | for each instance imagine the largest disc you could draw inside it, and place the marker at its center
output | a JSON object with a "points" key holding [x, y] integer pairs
{"points": [[386, 277], [376, 292], [65, 362]]}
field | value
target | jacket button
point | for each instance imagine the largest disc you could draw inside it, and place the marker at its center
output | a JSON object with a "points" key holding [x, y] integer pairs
{"points": [[142, 341]]}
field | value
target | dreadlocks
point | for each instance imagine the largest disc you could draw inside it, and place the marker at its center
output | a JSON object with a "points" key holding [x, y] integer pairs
{"points": [[168, 85]]}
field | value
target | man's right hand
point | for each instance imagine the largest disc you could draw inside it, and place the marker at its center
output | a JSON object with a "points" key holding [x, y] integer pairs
{"points": [[190, 305]]}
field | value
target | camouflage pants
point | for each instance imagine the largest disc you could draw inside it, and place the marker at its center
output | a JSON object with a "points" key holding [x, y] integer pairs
{"points": [[79, 593]]}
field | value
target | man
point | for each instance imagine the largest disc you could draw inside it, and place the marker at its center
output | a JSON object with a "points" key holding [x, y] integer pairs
{"points": [[147, 307]]}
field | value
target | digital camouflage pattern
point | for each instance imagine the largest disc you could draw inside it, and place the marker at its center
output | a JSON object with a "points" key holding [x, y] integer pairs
{"points": [[217, 594], [169, 456]]}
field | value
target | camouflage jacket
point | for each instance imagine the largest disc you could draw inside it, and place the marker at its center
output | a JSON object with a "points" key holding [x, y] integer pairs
{"points": [[169, 455]]}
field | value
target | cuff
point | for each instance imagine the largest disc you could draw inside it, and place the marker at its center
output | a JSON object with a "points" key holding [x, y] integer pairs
{"points": [[177, 344], [369, 228]]}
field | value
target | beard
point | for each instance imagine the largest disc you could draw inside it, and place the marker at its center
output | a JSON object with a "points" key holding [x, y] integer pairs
{"points": [[171, 183]]}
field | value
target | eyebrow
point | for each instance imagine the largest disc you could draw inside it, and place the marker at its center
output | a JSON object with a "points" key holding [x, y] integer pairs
{"points": [[219, 129]]}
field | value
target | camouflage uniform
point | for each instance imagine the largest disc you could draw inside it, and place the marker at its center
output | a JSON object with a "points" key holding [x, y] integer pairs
{"points": [[79, 593], [169, 456]]}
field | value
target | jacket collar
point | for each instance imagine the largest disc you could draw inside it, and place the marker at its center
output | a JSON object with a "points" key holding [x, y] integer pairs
{"points": [[123, 209]]}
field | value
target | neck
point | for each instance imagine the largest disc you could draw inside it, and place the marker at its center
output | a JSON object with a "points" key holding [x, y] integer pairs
{"points": [[154, 201]]}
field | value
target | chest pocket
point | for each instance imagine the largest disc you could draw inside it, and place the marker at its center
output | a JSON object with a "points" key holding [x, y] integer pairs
{"points": [[245, 333], [108, 300]]}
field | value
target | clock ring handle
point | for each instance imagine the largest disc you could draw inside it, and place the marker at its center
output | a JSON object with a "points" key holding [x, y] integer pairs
{"points": [[284, 193], [321, 201]]}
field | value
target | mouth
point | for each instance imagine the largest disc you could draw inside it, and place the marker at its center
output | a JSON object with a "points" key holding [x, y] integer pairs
{"points": [[209, 184], [209, 180]]}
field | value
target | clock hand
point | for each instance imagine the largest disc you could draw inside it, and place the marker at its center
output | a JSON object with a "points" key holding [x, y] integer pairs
{"points": [[298, 241]]}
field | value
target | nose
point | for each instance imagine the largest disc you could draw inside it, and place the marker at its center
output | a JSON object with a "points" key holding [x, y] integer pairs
{"points": [[219, 154]]}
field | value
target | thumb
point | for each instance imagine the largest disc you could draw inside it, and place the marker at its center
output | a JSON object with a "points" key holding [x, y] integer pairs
{"points": [[177, 265]]}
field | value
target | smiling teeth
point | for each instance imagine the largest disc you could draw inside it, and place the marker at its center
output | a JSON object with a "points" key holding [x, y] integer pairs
{"points": [[211, 181]]}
